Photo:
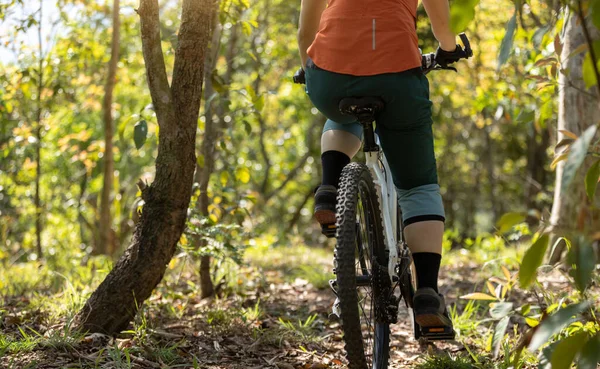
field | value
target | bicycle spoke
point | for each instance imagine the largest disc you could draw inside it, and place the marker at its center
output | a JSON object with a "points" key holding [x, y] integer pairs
{"points": [[364, 266]]}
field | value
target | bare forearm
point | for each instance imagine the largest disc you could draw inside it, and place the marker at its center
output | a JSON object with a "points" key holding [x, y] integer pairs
{"points": [[303, 44], [439, 16], [310, 17]]}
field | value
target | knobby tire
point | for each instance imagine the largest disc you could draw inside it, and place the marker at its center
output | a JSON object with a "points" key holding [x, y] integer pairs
{"points": [[359, 222]]}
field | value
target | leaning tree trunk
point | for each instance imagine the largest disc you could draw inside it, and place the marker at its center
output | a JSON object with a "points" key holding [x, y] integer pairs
{"points": [[106, 244], [114, 304], [577, 110], [207, 150]]}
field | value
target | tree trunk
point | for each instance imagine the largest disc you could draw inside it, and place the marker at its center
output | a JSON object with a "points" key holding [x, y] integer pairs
{"points": [[116, 301], [577, 110], [107, 242], [211, 134], [38, 136]]}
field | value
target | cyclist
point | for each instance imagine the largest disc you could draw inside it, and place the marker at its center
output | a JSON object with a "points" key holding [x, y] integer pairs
{"points": [[370, 48]]}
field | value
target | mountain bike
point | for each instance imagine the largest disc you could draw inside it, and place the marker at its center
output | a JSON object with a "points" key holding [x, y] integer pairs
{"points": [[372, 262]]}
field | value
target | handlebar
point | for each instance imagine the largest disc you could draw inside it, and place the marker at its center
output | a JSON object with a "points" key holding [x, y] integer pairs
{"points": [[428, 61]]}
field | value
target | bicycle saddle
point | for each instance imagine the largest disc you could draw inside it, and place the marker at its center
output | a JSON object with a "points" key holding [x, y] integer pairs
{"points": [[364, 108]]}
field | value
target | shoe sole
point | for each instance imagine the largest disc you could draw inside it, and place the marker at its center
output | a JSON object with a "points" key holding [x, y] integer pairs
{"points": [[325, 216], [433, 320]]}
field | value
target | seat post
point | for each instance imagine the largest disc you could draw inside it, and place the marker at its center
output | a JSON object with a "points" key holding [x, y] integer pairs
{"points": [[369, 141]]}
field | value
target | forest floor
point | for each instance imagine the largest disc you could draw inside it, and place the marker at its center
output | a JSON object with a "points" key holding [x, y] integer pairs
{"points": [[273, 312]]}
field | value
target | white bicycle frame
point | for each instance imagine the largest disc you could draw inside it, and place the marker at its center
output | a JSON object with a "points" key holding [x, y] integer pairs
{"points": [[388, 199]]}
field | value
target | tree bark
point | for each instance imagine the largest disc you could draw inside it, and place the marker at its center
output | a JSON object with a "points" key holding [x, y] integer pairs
{"points": [[107, 242], [207, 150], [116, 301], [577, 110], [38, 136]]}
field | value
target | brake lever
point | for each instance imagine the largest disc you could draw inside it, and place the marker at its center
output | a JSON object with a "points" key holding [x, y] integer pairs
{"points": [[466, 45], [439, 67]]}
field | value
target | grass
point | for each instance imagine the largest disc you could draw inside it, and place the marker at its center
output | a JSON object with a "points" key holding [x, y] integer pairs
{"points": [[447, 362], [313, 265], [303, 330], [249, 309]]}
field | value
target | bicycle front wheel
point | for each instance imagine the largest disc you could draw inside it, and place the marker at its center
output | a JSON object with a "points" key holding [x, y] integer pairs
{"points": [[362, 279]]}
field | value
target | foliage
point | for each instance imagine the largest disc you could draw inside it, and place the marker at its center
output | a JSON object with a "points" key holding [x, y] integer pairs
{"points": [[446, 362], [493, 126]]}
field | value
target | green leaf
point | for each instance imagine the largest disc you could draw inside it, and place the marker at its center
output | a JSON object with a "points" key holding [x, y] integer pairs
{"points": [[538, 36], [259, 103], [478, 296], [200, 161], [218, 83], [247, 127], [499, 332], [532, 322], [525, 309], [462, 13], [526, 116], [532, 260], [555, 323], [563, 142], [558, 242], [247, 28], [566, 349], [595, 7], [509, 220], [583, 258], [507, 41], [500, 309], [224, 177], [591, 180], [544, 356], [251, 92], [242, 174], [590, 354], [140, 132], [589, 75], [576, 157]]}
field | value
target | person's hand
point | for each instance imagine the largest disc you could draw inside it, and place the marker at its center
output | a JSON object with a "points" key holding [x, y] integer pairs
{"points": [[444, 58]]}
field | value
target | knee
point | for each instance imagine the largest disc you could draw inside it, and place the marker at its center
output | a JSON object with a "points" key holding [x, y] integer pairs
{"points": [[338, 140]]}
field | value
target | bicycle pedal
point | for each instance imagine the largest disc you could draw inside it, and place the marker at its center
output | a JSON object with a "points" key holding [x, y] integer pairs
{"points": [[335, 309], [329, 230], [438, 333], [333, 285]]}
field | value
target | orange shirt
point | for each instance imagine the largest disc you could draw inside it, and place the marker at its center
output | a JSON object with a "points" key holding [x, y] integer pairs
{"points": [[367, 37]]}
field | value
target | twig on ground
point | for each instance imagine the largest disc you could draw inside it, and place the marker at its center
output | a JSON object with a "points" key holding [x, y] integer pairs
{"points": [[166, 334], [141, 360]]}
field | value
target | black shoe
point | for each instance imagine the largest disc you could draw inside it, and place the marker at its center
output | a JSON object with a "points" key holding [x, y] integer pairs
{"points": [[430, 309], [325, 200]]}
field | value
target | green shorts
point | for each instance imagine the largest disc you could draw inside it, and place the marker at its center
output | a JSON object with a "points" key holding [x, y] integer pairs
{"points": [[403, 127]]}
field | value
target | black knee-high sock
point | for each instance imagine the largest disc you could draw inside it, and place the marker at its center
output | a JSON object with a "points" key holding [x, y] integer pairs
{"points": [[333, 163], [427, 265]]}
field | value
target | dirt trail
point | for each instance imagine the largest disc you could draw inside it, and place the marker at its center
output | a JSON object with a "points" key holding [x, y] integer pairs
{"points": [[231, 332]]}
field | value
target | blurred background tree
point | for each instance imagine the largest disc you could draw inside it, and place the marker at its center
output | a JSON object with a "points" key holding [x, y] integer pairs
{"points": [[258, 152]]}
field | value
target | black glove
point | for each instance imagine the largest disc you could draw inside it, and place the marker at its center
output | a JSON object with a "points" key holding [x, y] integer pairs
{"points": [[299, 76], [444, 58]]}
